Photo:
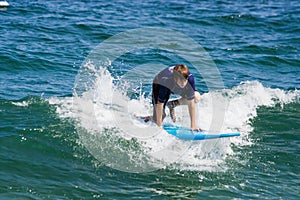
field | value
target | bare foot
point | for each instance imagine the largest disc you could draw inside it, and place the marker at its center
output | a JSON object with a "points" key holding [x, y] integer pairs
{"points": [[145, 118]]}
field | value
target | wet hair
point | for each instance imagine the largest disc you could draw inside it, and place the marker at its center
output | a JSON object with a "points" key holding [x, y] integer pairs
{"points": [[181, 71]]}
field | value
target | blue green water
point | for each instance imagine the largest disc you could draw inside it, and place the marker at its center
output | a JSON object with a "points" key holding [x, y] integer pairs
{"points": [[255, 46]]}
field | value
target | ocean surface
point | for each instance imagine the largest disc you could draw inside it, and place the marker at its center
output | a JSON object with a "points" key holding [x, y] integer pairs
{"points": [[73, 74]]}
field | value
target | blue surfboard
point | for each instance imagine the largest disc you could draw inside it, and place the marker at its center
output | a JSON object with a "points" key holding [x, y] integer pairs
{"points": [[185, 133]]}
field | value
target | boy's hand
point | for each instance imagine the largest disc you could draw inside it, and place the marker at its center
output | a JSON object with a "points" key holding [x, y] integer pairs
{"points": [[197, 129]]}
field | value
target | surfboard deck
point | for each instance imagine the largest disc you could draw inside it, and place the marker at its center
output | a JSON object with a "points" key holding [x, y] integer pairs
{"points": [[185, 133]]}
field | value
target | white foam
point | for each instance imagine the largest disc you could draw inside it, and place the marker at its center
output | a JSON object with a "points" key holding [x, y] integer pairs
{"points": [[21, 104], [4, 4], [104, 106]]}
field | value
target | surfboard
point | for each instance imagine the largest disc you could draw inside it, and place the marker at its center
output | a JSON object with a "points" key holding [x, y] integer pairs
{"points": [[185, 133]]}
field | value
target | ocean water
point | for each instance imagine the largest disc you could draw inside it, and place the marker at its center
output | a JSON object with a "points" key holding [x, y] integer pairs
{"points": [[73, 73]]}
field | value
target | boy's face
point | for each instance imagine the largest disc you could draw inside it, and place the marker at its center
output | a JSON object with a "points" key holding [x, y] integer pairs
{"points": [[181, 82]]}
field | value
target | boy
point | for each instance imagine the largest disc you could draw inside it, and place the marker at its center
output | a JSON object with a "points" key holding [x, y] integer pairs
{"points": [[176, 80]]}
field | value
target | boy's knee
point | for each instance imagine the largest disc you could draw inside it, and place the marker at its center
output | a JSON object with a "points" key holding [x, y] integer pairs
{"points": [[197, 97]]}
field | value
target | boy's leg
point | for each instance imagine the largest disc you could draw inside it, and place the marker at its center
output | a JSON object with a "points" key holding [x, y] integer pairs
{"points": [[171, 105], [154, 113], [182, 101], [154, 102]]}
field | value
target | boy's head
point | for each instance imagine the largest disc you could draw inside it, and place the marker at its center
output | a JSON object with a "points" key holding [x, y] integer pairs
{"points": [[181, 74]]}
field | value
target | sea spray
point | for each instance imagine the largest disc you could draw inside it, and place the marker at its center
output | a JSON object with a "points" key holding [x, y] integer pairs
{"points": [[107, 128]]}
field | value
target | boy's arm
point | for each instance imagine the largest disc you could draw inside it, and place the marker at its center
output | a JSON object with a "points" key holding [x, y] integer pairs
{"points": [[191, 105], [159, 111]]}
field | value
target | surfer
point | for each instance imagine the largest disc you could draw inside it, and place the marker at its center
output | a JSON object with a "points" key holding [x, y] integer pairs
{"points": [[173, 80]]}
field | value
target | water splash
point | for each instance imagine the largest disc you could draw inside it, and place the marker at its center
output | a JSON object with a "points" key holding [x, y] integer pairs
{"points": [[107, 128]]}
